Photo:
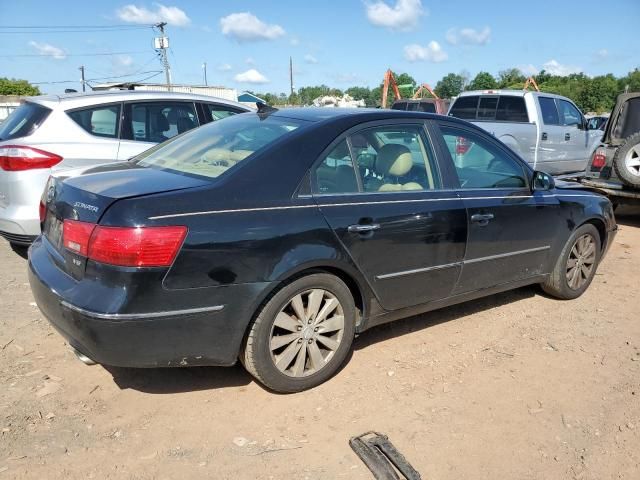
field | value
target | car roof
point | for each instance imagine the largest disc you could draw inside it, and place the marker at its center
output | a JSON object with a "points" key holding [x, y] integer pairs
{"points": [[357, 114], [75, 100]]}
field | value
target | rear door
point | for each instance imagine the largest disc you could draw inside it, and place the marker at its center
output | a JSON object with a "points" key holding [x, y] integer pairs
{"points": [[510, 229], [382, 192], [144, 124], [102, 124]]}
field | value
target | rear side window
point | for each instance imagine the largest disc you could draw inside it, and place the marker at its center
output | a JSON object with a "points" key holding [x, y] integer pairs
{"points": [[23, 121], [399, 106], [216, 147], [549, 111], [427, 107], [511, 109], [102, 121], [465, 107]]}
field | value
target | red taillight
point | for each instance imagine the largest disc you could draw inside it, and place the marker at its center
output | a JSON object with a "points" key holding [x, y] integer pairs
{"points": [[42, 210], [76, 236], [124, 246], [599, 159], [136, 247], [462, 145], [17, 157]]}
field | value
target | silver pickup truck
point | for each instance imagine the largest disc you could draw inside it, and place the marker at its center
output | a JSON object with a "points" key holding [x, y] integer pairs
{"points": [[547, 130]]}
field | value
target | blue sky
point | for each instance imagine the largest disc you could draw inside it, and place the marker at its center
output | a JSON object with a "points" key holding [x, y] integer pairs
{"points": [[247, 44]]}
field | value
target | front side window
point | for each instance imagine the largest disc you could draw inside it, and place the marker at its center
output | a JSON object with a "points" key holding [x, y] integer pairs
{"points": [[569, 114], [102, 121], [213, 149], [549, 111], [386, 159], [218, 112], [159, 121], [481, 164]]}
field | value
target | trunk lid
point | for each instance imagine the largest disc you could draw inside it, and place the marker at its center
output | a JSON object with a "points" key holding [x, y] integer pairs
{"points": [[624, 120], [84, 195]]}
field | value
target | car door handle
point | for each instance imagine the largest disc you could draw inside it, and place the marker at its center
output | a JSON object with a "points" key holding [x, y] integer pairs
{"points": [[482, 218], [544, 135], [363, 228], [567, 136]]}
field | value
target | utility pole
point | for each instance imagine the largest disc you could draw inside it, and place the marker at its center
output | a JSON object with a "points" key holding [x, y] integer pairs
{"points": [[204, 66], [82, 76], [291, 74], [162, 44]]}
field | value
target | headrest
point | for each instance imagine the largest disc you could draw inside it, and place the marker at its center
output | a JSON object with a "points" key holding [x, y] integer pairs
{"points": [[161, 122], [394, 160]]}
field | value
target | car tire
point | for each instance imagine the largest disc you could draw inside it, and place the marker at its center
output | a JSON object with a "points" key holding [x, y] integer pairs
{"points": [[576, 266], [302, 334], [626, 161]]}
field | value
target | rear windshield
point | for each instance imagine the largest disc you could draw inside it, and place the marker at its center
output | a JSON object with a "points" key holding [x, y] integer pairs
{"points": [[23, 121], [503, 108], [211, 150]]}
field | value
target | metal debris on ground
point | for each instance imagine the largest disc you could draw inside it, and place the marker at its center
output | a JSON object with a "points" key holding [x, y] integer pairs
{"points": [[382, 458]]}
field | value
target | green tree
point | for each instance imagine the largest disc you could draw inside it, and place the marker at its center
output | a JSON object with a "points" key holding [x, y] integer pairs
{"points": [[450, 86], [632, 81], [11, 86], [598, 94], [483, 81], [510, 77]]}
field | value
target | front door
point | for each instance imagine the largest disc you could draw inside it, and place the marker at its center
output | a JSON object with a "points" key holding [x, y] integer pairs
{"points": [[510, 229], [380, 190]]}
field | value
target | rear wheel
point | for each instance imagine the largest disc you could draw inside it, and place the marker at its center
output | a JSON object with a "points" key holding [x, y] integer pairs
{"points": [[626, 161], [576, 265], [302, 335]]}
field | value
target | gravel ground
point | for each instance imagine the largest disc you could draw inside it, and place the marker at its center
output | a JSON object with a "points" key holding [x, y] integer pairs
{"points": [[517, 385]]}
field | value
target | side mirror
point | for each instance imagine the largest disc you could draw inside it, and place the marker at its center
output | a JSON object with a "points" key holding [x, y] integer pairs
{"points": [[542, 181]]}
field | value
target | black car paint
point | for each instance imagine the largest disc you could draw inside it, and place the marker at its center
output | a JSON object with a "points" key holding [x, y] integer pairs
{"points": [[255, 228]]}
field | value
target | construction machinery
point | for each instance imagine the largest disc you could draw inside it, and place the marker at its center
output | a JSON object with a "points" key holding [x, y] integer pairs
{"points": [[419, 103]]}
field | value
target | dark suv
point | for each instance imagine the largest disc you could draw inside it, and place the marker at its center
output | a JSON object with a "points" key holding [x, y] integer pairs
{"points": [[615, 166]]}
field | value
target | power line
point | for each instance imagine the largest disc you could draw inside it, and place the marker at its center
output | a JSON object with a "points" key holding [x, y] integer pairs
{"points": [[10, 30], [71, 54], [77, 26]]}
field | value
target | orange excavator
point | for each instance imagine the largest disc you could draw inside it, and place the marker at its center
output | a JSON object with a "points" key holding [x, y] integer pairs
{"points": [[390, 80], [531, 81]]}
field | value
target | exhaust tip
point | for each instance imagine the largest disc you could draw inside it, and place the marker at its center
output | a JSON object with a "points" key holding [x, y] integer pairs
{"points": [[82, 357]]}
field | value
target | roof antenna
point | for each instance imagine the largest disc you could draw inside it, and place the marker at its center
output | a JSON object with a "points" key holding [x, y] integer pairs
{"points": [[265, 110]]}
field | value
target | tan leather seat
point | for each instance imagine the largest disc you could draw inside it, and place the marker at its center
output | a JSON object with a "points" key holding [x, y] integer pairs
{"points": [[395, 161]]}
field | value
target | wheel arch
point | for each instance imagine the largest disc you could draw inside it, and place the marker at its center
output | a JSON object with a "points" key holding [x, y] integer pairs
{"points": [[601, 227]]}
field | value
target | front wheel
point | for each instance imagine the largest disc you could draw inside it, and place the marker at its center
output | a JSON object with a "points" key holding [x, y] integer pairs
{"points": [[576, 265], [302, 335]]}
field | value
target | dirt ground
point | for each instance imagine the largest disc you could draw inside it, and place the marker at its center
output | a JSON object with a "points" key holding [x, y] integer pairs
{"points": [[514, 386]]}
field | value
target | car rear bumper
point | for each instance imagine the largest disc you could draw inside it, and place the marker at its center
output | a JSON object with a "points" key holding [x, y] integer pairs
{"points": [[210, 335]]}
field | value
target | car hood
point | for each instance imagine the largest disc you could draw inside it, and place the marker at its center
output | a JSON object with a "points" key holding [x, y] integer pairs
{"points": [[624, 119]]}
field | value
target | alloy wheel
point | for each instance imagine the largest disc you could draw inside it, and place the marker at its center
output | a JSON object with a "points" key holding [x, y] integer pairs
{"points": [[632, 160], [306, 333], [581, 261]]}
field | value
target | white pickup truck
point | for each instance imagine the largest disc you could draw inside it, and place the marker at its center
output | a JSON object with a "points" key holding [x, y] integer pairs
{"points": [[547, 130]]}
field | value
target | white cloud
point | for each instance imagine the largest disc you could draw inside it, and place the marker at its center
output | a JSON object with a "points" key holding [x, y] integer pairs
{"points": [[294, 42], [249, 61], [346, 78], [172, 15], [310, 58], [468, 36], [529, 69], [602, 54], [246, 27], [225, 67], [49, 50], [432, 52], [555, 68], [123, 60], [404, 15], [251, 76]]}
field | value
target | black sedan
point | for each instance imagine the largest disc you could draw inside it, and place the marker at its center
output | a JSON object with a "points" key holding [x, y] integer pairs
{"points": [[275, 237]]}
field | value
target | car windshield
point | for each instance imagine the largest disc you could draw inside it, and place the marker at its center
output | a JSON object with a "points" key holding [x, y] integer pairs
{"points": [[23, 121], [213, 149]]}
